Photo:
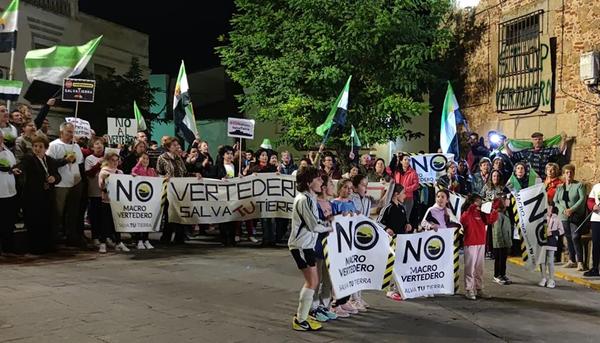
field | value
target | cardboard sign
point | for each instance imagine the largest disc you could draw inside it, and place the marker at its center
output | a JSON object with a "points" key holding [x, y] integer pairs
{"points": [[121, 130], [240, 128], [82, 127], [78, 90]]}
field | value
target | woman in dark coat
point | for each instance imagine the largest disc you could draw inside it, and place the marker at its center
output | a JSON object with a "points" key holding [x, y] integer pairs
{"points": [[40, 173]]}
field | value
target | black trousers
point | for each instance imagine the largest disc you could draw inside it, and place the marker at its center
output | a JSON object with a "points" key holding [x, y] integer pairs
{"points": [[7, 223], [595, 244], [500, 256], [108, 226]]}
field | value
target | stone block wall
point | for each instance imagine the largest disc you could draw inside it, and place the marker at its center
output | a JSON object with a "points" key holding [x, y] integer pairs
{"points": [[576, 28]]}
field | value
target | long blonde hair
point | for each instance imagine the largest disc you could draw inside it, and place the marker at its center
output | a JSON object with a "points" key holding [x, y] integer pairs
{"points": [[107, 158]]}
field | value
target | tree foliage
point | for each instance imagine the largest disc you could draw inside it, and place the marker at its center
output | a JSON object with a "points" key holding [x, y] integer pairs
{"points": [[293, 56], [115, 95]]}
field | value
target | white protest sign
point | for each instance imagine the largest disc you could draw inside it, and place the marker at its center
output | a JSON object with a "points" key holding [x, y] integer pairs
{"points": [[121, 130], [136, 202], [456, 203], [430, 167], [532, 205], [210, 201], [357, 253], [82, 127], [423, 263], [240, 128]]}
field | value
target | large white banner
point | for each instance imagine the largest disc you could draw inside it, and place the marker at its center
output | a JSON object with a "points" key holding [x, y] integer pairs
{"points": [[357, 253], [532, 205], [423, 263], [430, 167], [136, 202], [210, 201]]}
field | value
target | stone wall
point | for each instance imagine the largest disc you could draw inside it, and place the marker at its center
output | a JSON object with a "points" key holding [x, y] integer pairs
{"points": [[576, 108]]}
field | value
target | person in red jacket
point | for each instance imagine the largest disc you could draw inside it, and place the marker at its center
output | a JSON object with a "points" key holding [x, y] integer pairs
{"points": [[474, 223], [403, 174]]}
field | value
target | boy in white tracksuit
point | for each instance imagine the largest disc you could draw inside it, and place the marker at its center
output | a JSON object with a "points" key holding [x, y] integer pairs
{"points": [[306, 227]]}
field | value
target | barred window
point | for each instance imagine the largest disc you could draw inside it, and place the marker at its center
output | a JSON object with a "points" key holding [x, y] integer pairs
{"points": [[520, 63], [62, 7]]}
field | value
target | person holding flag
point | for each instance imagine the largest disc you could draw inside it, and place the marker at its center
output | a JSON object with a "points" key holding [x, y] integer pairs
{"points": [[539, 153]]}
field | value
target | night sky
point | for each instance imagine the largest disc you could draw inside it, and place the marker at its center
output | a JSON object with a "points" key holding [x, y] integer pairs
{"points": [[177, 31]]}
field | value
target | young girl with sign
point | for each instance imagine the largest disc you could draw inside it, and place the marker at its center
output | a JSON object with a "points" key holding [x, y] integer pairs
{"points": [[440, 215], [363, 204], [322, 298], [394, 218], [110, 166], [306, 226], [554, 229], [474, 222], [345, 206], [142, 169]]}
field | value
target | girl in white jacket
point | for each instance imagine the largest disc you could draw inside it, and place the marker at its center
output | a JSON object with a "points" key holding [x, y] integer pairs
{"points": [[306, 227]]}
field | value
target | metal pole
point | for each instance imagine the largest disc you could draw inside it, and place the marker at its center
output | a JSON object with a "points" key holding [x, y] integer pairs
{"points": [[10, 72], [240, 158], [76, 108]]}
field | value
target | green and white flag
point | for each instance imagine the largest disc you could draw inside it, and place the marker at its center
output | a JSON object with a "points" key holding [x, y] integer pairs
{"points": [[355, 139], [8, 27], [522, 144], [10, 89], [139, 119], [54, 64], [183, 111], [337, 114]]}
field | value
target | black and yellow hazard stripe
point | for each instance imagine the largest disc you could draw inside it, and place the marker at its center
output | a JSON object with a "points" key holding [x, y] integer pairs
{"points": [[163, 198], [517, 219], [325, 252], [389, 267], [456, 259]]}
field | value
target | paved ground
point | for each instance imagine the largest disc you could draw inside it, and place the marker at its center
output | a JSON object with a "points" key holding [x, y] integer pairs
{"points": [[204, 293]]}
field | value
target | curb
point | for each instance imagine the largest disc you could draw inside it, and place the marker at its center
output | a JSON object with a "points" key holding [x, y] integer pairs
{"points": [[561, 275]]}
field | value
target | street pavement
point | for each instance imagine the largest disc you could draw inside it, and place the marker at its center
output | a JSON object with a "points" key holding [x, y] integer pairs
{"points": [[204, 293]]}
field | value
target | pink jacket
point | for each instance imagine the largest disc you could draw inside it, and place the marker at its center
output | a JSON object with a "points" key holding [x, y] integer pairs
{"points": [[139, 170]]}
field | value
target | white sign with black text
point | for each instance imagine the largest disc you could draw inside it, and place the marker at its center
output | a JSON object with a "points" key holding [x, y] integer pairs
{"points": [[240, 128], [423, 264], [121, 130], [135, 202], [430, 167], [82, 127], [532, 206], [358, 249]]}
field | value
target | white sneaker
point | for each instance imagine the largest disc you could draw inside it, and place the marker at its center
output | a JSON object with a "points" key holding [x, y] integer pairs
{"points": [[551, 284], [96, 242], [237, 239], [542, 283], [102, 248], [121, 247], [252, 239], [148, 245], [141, 246], [110, 243]]}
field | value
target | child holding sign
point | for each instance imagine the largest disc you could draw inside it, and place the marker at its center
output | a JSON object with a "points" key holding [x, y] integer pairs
{"points": [[394, 218], [306, 227], [474, 222]]}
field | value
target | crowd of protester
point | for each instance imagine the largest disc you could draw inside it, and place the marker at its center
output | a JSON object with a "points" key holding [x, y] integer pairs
{"points": [[57, 188]]}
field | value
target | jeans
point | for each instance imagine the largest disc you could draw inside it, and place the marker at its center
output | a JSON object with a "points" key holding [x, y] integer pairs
{"points": [[68, 207], [573, 241], [95, 215], [268, 225]]}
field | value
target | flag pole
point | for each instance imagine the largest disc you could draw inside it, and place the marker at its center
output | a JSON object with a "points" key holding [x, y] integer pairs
{"points": [[240, 158], [10, 72], [76, 108]]}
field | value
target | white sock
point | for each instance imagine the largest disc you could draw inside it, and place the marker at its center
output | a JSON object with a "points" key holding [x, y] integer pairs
{"points": [[315, 304], [305, 300], [327, 302]]}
